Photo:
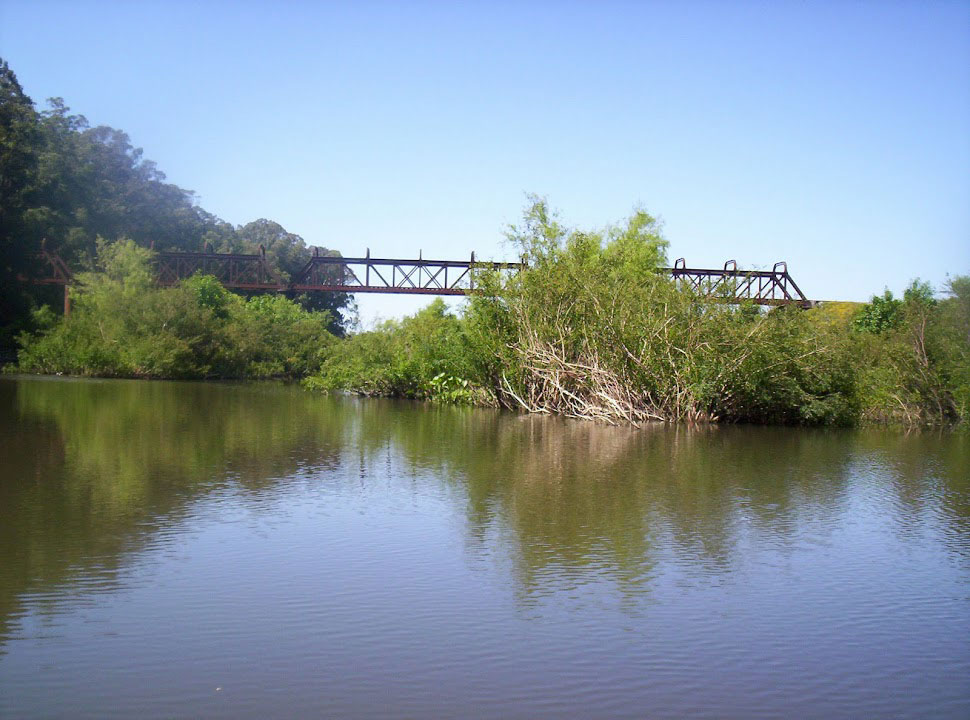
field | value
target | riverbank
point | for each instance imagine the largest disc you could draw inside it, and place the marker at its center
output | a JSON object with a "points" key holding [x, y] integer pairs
{"points": [[590, 330]]}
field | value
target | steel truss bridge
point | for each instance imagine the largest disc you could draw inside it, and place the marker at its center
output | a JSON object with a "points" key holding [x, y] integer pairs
{"points": [[327, 273], [761, 287]]}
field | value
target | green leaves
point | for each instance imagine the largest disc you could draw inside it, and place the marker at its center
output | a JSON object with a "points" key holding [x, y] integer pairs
{"points": [[75, 186], [913, 356], [125, 326], [881, 314], [591, 330], [428, 355]]}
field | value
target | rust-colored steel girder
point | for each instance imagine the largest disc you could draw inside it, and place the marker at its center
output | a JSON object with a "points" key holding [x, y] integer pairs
{"points": [[761, 287], [234, 270], [327, 273], [53, 270]]}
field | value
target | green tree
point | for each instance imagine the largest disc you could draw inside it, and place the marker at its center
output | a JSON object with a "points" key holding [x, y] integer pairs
{"points": [[288, 254], [423, 356], [882, 313], [953, 338], [19, 135], [67, 183], [92, 182], [287, 251], [916, 369]]}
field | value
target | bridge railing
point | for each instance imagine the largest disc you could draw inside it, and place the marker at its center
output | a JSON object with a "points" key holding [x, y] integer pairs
{"points": [[388, 275], [762, 287], [327, 273], [233, 270]]}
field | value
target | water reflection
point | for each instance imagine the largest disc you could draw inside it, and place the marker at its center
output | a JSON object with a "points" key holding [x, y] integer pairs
{"points": [[576, 494], [93, 469], [476, 548]]}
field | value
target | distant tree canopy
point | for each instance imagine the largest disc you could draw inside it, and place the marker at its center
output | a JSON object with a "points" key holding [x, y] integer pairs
{"points": [[68, 183], [19, 142]]}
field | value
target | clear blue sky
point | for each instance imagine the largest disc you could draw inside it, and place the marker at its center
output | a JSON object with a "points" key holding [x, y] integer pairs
{"points": [[835, 136]]}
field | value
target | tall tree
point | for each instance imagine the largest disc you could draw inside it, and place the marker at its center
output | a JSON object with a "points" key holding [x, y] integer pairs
{"points": [[93, 182], [68, 183], [289, 253], [19, 134]]}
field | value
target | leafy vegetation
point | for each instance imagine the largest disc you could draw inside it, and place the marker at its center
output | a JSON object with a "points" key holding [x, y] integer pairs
{"points": [[592, 330], [125, 326], [589, 330], [425, 356], [68, 184], [882, 313], [916, 370]]}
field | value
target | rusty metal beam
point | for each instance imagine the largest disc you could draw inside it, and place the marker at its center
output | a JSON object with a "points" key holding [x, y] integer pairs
{"points": [[774, 287], [324, 273], [55, 270], [416, 277], [233, 270]]}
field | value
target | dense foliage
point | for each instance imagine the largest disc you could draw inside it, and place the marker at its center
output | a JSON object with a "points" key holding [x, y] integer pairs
{"points": [[123, 325], [592, 330], [589, 330], [426, 356], [66, 183], [915, 369]]}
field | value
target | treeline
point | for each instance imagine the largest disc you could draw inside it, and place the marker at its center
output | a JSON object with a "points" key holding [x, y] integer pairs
{"points": [[592, 330], [69, 184]]}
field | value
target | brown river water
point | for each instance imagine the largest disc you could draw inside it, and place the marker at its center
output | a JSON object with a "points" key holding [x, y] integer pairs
{"points": [[189, 550]]}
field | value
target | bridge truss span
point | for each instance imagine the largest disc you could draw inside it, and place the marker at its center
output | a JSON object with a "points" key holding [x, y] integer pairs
{"points": [[333, 273], [761, 287], [387, 275], [233, 270]]}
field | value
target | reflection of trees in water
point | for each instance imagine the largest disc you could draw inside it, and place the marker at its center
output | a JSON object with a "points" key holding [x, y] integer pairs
{"points": [[927, 481], [124, 431], [95, 469], [576, 496], [579, 495]]}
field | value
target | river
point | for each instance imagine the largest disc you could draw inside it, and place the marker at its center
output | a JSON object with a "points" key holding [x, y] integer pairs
{"points": [[254, 551]]}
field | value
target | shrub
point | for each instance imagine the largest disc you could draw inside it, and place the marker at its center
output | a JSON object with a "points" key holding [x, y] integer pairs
{"points": [[124, 326], [426, 355]]}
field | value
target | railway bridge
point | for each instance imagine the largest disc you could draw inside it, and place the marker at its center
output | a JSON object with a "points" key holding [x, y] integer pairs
{"points": [[367, 274]]}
